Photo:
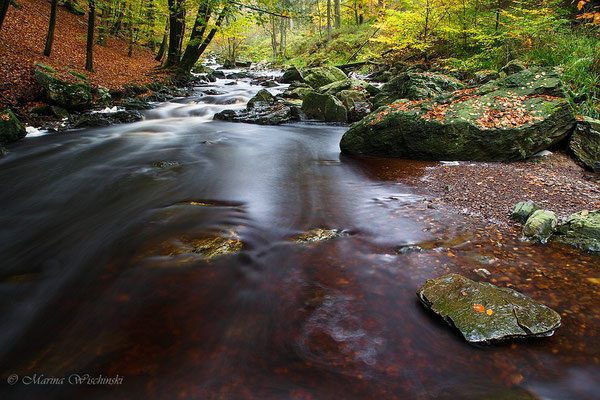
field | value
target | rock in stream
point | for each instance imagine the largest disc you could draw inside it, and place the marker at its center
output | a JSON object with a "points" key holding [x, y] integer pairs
{"points": [[485, 313]]}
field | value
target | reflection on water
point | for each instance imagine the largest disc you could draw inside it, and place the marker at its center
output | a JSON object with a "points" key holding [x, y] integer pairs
{"points": [[90, 282]]}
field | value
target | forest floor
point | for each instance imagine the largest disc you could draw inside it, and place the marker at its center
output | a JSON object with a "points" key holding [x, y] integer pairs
{"points": [[22, 41], [490, 190]]}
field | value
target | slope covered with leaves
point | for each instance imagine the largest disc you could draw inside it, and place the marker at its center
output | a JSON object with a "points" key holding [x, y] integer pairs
{"points": [[22, 42]]}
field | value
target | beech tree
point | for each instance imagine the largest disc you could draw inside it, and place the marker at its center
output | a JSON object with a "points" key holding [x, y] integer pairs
{"points": [[89, 55]]}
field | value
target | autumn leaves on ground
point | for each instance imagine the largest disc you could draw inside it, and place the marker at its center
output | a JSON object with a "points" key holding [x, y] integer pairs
{"points": [[22, 40]]}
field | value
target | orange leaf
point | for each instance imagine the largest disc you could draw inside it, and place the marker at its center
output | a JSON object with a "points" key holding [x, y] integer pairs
{"points": [[489, 312], [478, 308]]}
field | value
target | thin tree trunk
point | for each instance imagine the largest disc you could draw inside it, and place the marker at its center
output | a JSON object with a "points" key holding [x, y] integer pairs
{"points": [[89, 55], [338, 13], [328, 20], [50, 36], [4, 4], [131, 39], [163, 44]]}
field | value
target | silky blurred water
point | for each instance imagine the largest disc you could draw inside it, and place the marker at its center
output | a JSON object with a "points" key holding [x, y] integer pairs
{"points": [[85, 287]]}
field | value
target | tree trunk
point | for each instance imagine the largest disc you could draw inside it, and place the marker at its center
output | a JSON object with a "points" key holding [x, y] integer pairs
{"points": [[163, 44], [198, 31], [338, 13], [176, 24], [50, 36], [89, 55], [131, 39], [188, 62], [4, 4], [328, 20]]}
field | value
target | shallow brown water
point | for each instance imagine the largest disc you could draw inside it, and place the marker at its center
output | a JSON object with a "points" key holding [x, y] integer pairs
{"points": [[87, 287]]}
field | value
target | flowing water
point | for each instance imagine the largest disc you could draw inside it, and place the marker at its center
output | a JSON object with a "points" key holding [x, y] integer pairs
{"points": [[89, 283]]}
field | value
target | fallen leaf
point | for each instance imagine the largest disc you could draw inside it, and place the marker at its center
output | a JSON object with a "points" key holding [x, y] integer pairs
{"points": [[478, 308]]}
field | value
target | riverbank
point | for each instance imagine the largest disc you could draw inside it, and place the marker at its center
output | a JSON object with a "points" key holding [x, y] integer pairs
{"points": [[22, 42], [489, 190]]}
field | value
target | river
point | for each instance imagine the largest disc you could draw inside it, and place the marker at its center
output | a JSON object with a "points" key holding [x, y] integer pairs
{"points": [[86, 287]]}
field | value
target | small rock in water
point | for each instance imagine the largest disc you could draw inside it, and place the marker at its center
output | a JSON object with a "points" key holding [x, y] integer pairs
{"points": [[485, 313], [540, 226], [165, 164], [211, 246], [318, 235], [523, 210]]}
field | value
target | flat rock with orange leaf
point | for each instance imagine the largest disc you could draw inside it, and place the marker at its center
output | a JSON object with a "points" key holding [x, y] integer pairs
{"points": [[485, 313], [507, 119]]}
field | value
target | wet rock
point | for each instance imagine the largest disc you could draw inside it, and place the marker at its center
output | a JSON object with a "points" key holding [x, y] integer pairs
{"points": [[3, 152], [60, 112], [72, 96], [165, 164], [409, 249], [415, 86], [485, 313], [484, 76], [11, 129], [508, 119], [212, 246], [134, 103], [523, 210], [239, 75], [218, 74], [381, 76], [540, 226], [297, 91], [581, 230], [318, 235], [202, 69], [585, 143], [107, 119], [275, 114], [269, 83], [321, 76], [292, 74], [356, 102], [513, 67], [261, 99], [324, 108]]}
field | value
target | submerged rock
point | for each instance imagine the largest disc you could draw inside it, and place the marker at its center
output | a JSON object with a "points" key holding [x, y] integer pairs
{"points": [[213, 246], [11, 129], [415, 86], [508, 119], [485, 313], [321, 76], [581, 230], [585, 143], [324, 107], [540, 226], [70, 95], [523, 210], [318, 235]]}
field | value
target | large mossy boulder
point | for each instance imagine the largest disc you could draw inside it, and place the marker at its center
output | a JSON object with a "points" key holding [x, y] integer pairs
{"points": [[415, 86], [292, 74], [581, 230], [507, 119], [349, 84], [70, 95], [484, 76], [585, 143], [11, 129], [485, 313], [540, 225], [321, 76], [324, 107]]}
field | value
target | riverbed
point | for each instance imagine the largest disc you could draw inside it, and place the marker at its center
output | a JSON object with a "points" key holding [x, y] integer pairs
{"points": [[87, 288]]}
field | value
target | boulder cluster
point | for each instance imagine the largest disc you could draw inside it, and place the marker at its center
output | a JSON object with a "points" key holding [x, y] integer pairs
{"points": [[580, 230]]}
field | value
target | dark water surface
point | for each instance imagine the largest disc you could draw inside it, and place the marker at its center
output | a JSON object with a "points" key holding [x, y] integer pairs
{"points": [[86, 289]]}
